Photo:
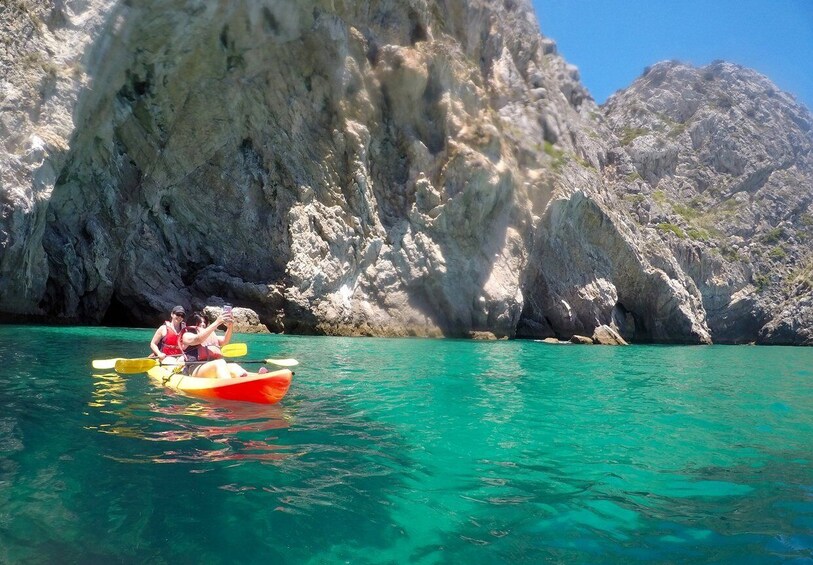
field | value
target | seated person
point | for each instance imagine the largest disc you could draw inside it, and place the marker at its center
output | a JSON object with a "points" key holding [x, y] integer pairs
{"points": [[202, 349], [166, 342]]}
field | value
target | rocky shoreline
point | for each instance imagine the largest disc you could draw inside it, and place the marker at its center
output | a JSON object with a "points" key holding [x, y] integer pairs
{"points": [[420, 168]]}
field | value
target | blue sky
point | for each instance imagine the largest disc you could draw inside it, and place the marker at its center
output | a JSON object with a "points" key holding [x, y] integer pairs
{"points": [[612, 41]]}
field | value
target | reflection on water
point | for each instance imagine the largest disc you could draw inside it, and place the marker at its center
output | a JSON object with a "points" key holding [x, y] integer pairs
{"points": [[108, 389], [201, 431]]}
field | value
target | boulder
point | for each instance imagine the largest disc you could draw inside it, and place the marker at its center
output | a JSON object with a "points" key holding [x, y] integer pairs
{"points": [[581, 340], [607, 335], [246, 320]]}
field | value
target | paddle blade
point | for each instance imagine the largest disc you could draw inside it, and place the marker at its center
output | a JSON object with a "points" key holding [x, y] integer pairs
{"points": [[283, 362], [104, 363], [132, 366], [234, 350]]}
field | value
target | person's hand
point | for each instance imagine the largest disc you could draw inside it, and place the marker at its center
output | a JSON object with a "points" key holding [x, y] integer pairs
{"points": [[174, 360], [162, 356]]}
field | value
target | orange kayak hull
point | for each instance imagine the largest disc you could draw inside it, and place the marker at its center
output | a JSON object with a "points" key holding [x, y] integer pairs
{"points": [[261, 388]]}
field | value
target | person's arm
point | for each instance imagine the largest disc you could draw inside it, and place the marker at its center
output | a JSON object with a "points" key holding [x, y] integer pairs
{"points": [[156, 339], [229, 328], [196, 339]]}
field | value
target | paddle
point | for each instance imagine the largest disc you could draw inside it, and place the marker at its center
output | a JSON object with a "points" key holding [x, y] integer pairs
{"points": [[133, 366], [229, 350], [279, 362]]}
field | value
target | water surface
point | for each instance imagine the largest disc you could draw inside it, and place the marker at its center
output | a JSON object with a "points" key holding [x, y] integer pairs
{"points": [[409, 451]]}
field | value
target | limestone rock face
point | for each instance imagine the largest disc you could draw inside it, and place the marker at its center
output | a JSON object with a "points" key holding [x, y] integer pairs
{"points": [[418, 167], [722, 173], [41, 78]]}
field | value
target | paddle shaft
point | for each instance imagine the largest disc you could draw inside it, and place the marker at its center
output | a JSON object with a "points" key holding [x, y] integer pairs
{"points": [[228, 350], [282, 362]]}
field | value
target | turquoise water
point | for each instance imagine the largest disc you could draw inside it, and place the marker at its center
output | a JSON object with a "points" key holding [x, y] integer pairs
{"points": [[409, 451]]}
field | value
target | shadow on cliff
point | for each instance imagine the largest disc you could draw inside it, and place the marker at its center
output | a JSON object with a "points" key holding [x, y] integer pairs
{"points": [[168, 193]]}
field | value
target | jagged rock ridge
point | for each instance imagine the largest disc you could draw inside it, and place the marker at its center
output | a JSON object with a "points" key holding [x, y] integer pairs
{"points": [[723, 171], [378, 168]]}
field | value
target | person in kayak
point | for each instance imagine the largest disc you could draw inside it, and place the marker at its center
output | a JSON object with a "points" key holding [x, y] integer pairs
{"points": [[202, 348], [166, 343]]}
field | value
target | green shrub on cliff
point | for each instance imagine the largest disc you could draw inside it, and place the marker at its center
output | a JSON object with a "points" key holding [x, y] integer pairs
{"points": [[761, 281], [777, 253], [773, 236], [671, 228], [558, 156], [630, 134], [698, 234]]}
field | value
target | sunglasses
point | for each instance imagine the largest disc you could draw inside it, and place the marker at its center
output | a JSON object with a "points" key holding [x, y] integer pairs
{"points": [[179, 315]]}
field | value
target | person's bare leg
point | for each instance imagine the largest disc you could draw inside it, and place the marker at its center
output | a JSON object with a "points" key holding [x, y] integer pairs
{"points": [[236, 371], [216, 369]]}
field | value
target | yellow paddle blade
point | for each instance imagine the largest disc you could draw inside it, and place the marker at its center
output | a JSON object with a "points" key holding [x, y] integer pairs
{"points": [[283, 362], [104, 363], [146, 363], [234, 350], [132, 366]]}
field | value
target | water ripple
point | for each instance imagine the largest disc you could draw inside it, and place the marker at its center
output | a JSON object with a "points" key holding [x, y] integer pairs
{"points": [[424, 451]]}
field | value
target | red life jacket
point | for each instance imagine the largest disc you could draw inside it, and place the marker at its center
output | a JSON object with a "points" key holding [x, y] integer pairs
{"points": [[171, 344], [200, 352]]}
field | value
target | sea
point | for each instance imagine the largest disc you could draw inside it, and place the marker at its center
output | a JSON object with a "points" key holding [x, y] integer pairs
{"points": [[410, 451]]}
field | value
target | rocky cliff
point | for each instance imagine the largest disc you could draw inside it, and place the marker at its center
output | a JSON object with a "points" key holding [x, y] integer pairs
{"points": [[384, 168], [722, 173]]}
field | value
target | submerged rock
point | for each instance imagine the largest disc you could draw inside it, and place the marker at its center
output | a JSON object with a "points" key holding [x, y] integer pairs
{"points": [[552, 341]]}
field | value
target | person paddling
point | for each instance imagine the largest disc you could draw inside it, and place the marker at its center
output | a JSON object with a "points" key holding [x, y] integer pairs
{"points": [[166, 342], [202, 348]]}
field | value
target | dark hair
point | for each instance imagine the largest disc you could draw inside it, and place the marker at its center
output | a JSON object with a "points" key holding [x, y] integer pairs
{"points": [[196, 319]]}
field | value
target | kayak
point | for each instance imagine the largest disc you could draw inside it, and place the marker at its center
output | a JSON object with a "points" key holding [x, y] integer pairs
{"points": [[263, 388]]}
